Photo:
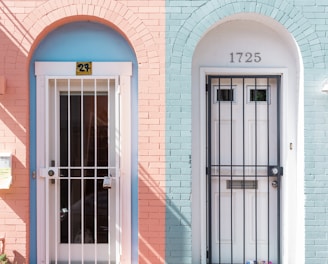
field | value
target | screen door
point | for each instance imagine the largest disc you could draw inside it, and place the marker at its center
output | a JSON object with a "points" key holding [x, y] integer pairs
{"points": [[82, 181], [243, 175]]}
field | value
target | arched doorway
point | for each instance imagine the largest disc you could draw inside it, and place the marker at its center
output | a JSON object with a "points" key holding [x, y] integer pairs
{"points": [[81, 126], [246, 111]]}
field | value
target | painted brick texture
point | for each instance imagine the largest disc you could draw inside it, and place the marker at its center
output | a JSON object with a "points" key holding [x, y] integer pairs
{"points": [[164, 108], [23, 25], [186, 23]]}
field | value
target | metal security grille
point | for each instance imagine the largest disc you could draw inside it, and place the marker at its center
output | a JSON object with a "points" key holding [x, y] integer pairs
{"points": [[82, 181], [243, 174]]}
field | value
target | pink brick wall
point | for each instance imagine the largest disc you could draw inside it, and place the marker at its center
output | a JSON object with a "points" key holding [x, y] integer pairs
{"points": [[25, 24]]}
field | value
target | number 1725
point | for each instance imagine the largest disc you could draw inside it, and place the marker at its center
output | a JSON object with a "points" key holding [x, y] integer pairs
{"points": [[248, 57]]}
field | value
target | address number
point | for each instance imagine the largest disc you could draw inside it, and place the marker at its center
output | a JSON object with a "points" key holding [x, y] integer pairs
{"points": [[248, 57], [83, 68]]}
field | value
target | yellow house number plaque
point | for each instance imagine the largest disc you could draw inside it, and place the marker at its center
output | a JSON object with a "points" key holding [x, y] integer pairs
{"points": [[84, 68]]}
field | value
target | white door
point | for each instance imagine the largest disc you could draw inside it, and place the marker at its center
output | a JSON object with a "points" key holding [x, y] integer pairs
{"points": [[80, 154], [243, 157]]}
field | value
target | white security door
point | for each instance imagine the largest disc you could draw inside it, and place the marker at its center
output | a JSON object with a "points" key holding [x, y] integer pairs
{"points": [[82, 181], [81, 157], [244, 171]]}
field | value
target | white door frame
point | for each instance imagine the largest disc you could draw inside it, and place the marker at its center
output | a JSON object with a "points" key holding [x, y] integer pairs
{"points": [[292, 215], [123, 72]]}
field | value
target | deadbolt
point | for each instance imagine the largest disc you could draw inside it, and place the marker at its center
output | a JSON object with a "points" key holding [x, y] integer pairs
{"points": [[274, 184], [51, 173]]}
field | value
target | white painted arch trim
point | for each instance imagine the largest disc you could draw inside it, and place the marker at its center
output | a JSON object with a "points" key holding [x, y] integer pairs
{"points": [[292, 215]]}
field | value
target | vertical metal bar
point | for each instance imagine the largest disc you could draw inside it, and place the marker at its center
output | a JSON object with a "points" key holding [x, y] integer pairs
{"points": [[82, 168], [256, 163], [278, 163], [268, 164], [244, 178], [95, 171], [55, 129], [231, 194], [108, 164], [47, 179], [69, 168], [219, 161], [209, 164]]}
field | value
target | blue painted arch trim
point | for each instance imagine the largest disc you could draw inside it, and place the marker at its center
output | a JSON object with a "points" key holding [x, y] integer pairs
{"points": [[83, 41]]}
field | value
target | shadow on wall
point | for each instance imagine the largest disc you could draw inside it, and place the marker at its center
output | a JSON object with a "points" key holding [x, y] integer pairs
{"points": [[18, 259], [163, 228], [151, 219], [14, 109]]}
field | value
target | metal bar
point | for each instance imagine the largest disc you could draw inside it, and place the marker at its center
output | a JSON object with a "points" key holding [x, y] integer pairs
{"points": [[234, 176], [56, 131], [69, 170], [95, 170], [219, 143], [108, 163], [47, 179], [256, 145], [231, 193], [278, 162], [209, 162], [244, 176], [268, 161], [92, 168], [82, 164]]}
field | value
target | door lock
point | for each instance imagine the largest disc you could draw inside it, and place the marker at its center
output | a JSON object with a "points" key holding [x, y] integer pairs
{"points": [[51, 172], [107, 182], [274, 184]]}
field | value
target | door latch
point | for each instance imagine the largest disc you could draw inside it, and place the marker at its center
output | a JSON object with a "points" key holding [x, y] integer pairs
{"points": [[275, 170], [107, 182], [48, 172]]}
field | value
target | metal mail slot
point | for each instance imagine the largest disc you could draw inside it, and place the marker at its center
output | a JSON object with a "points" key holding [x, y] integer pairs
{"points": [[242, 184]]}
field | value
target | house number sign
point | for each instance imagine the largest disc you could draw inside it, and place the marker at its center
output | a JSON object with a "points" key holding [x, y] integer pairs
{"points": [[84, 68], [245, 57]]}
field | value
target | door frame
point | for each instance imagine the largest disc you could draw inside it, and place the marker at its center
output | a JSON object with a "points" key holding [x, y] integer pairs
{"points": [[291, 160], [123, 72]]}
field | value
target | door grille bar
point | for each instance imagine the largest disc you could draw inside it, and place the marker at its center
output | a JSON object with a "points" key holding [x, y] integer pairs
{"points": [[259, 145]]}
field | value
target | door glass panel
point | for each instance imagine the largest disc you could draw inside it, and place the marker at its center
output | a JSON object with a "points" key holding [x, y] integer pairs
{"points": [[92, 126]]}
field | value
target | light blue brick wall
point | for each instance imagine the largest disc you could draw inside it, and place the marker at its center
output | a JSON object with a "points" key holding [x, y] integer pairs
{"points": [[187, 21]]}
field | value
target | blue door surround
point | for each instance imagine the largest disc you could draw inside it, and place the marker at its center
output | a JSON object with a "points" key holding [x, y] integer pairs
{"points": [[82, 41]]}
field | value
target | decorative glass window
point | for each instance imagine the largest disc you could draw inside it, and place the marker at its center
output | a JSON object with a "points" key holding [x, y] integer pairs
{"points": [[224, 93], [260, 93]]}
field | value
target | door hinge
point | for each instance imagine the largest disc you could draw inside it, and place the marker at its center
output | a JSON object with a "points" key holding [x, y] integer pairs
{"points": [[206, 170], [206, 87]]}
